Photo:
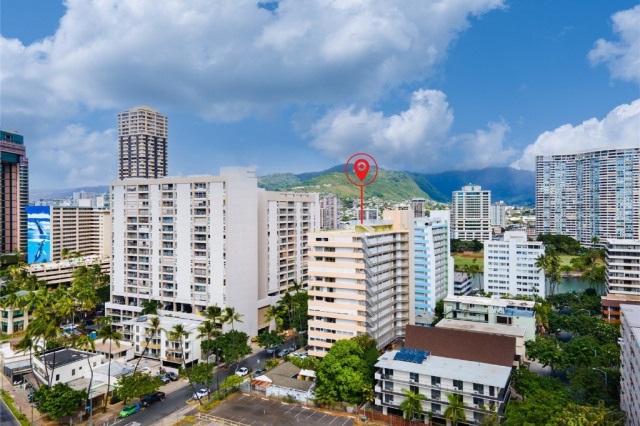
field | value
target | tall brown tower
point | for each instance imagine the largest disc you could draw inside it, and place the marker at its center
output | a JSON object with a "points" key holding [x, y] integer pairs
{"points": [[142, 139], [14, 192]]}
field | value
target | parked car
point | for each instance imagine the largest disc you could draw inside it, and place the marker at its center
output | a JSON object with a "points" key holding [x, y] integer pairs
{"points": [[172, 376], [242, 371], [129, 410], [201, 393], [259, 372], [164, 379], [283, 352], [151, 398], [273, 350]]}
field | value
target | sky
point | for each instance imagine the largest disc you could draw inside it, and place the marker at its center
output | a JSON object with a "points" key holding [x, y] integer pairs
{"points": [[301, 85]]}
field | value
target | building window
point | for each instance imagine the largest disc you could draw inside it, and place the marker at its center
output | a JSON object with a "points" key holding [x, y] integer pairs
{"points": [[435, 381], [435, 394], [477, 387], [388, 372], [414, 377], [57, 377], [388, 386], [388, 398], [436, 408], [73, 372], [414, 389], [458, 384], [478, 401], [492, 391]]}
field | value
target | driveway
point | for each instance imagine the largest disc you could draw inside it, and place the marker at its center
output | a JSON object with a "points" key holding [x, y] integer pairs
{"points": [[256, 411]]}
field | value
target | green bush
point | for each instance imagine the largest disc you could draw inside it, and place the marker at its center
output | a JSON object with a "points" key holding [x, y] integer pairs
{"points": [[115, 399]]}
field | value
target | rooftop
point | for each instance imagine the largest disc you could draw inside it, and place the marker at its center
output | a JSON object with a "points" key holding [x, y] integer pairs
{"points": [[481, 327], [462, 344], [117, 369], [167, 323], [283, 376], [451, 368], [632, 314], [66, 356], [104, 347], [491, 301]]}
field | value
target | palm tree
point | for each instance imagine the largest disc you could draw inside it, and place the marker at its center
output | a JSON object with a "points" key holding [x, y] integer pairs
{"points": [[107, 332], [28, 344], [411, 404], [154, 328], [150, 307], [274, 313], [179, 333], [455, 410], [65, 253], [550, 264], [207, 330], [215, 314], [286, 301], [231, 317], [86, 343]]}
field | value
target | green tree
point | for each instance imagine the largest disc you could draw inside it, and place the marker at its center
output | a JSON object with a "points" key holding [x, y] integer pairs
{"points": [[270, 339], [550, 264], [342, 374], [60, 400], [231, 382], [598, 415], [150, 307], [411, 405], [107, 332], [455, 410], [179, 333], [370, 350], [214, 314], [548, 352], [233, 346], [230, 316], [206, 331], [137, 385]]}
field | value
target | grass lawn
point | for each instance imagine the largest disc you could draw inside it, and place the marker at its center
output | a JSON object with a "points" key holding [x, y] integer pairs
{"points": [[565, 259], [460, 261]]}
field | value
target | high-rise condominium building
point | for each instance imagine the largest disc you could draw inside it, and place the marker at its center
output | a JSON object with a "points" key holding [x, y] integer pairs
{"points": [[623, 276], [376, 278], [630, 363], [142, 140], [499, 214], [285, 219], [510, 266], [14, 192], [470, 214], [589, 194], [79, 230], [433, 264], [417, 204], [329, 212], [192, 242]]}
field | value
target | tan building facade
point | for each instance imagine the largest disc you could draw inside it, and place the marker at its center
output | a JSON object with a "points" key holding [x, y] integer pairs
{"points": [[84, 230], [142, 140]]}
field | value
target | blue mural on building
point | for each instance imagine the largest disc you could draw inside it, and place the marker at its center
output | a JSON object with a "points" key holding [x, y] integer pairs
{"points": [[38, 234]]}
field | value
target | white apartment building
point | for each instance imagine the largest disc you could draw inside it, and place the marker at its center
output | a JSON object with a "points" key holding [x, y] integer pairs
{"points": [[623, 276], [162, 347], [436, 362], [510, 266], [499, 214], [493, 310], [433, 264], [360, 281], [189, 242], [462, 284], [630, 363], [285, 220], [588, 194], [70, 364], [470, 214], [329, 212]]}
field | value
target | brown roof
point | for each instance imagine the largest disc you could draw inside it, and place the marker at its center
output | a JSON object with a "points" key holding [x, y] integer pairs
{"points": [[462, 344]]}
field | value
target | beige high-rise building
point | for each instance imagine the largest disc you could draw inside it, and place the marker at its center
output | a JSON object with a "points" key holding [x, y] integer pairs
{"points": [[142, 140], [360, 282], [84, 230], [471, 214], [329, 212]]}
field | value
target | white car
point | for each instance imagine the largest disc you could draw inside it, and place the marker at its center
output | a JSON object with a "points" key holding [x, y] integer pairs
{"points": [[242, 371], [201, 393]]}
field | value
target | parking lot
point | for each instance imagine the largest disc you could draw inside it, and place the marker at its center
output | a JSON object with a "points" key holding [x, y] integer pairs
{"points": [[252, 410]]}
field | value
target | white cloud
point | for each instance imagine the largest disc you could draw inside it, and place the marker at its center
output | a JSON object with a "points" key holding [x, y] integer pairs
{"points": [[85, 158], [620, 128], [415, 139], [228, 59], [411, 138], [623, 56]]}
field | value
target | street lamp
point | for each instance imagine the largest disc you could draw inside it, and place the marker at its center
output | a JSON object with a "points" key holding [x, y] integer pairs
{"points": [[605, 378]]}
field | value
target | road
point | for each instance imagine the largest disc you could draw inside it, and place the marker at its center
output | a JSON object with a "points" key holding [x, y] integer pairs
{"points": [[174, 405], [6, 417]]}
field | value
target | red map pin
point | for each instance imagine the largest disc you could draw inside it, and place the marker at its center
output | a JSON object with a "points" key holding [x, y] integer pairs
{"points": [[361, 168]]}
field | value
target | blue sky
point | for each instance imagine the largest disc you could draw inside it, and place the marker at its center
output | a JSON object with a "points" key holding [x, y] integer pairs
{"points": [[421, 85]]}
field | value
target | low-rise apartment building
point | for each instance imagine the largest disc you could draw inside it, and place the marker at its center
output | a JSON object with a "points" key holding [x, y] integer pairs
{"points": [[13, 319], [493, 310], [510, 266], [630, 363], [437, 361], [462, 284], [64, 365], [161, 346]]}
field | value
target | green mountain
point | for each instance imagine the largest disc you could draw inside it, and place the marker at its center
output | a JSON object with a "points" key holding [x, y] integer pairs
{"points": [[507, 184], [388, 186]]}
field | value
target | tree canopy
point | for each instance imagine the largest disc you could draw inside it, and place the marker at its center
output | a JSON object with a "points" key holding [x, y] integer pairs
{"points": [[342, 374], [60, 400], [137, 385]]}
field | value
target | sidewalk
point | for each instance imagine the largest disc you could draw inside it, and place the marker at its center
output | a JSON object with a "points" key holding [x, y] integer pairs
{"points": [[21, 401]]}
